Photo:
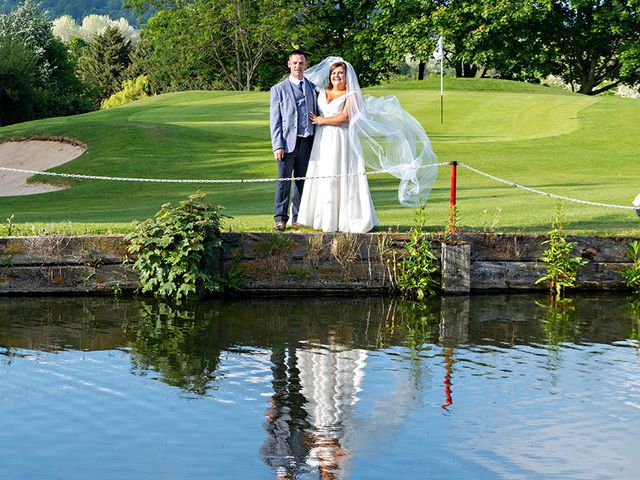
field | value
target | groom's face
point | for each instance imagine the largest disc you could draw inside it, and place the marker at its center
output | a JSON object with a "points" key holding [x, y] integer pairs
{"points": [[297, 64]]}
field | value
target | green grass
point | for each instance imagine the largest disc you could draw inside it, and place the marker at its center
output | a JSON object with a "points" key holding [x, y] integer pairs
{"points": [[562, 143]]}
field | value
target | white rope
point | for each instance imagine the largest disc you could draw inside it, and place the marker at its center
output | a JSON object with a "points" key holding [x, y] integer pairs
{"points": [[170, 180], [540, 192], [264, 180]]}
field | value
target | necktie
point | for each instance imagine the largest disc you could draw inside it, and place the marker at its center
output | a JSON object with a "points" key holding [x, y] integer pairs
{"points": [[301, 88]]}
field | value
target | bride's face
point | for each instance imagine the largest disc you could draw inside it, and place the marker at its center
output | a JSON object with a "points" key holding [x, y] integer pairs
{"points": [[338, 78]]}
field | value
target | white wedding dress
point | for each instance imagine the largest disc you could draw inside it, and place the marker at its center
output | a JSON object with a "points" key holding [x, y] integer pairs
{"points": [[337, 203]]}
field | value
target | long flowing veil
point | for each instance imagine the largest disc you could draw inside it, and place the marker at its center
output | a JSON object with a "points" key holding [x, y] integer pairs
{"points": [[385, 136]]}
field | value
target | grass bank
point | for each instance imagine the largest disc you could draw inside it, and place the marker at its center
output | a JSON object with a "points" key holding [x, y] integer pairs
{"points": [[561, 143]]}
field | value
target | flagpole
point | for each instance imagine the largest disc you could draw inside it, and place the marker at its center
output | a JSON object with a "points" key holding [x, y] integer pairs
{"points": [[441, 90]]}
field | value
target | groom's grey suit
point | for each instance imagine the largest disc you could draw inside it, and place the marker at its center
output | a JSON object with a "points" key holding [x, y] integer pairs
{"points": [[291, 130]]}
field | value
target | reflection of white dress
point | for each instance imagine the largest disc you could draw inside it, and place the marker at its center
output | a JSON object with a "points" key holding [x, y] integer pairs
{"points": [[335, 204], [330, 376]]}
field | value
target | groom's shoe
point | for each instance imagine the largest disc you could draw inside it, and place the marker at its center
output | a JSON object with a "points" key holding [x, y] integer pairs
{"points": [[280, 225], [296, 225]]}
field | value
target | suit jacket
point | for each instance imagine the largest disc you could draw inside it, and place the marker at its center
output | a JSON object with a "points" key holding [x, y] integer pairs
{"points": [[283, 114]]}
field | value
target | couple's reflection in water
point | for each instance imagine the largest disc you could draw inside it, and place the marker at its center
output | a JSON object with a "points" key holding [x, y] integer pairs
{"points": [[311, 420], [315, 391]]}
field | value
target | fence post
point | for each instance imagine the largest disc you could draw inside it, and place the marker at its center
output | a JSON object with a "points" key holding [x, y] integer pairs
{"points": [[452, 192]]}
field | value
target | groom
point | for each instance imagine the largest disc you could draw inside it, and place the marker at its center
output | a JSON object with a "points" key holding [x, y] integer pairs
{"points": [[291, 135]]}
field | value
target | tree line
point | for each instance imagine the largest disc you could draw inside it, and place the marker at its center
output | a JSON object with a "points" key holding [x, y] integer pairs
{"points": [[77, 9], [591, 45]]}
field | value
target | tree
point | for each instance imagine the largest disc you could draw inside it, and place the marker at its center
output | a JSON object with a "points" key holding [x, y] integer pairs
{"points": [[405, 27], [345, 28], [29, 26], [17, 82], [242, 33], [103, 62], [94, 25], [596, 43], [510, 37], [217, 43], [172, 54], [56, 90], [65, 28]]}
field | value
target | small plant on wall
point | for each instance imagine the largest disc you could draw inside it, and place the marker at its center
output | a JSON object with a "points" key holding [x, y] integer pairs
{"points": [[632, 274], [178, 249], [418, 266], [562, 266]]}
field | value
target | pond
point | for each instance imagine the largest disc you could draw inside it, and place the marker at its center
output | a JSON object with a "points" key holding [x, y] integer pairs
{"points": [[491, 386]]}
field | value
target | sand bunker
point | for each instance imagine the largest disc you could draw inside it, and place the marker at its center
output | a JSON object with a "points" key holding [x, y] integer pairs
{"points": [[33, 155]]}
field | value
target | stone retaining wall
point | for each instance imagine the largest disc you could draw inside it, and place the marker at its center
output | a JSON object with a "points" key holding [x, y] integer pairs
{"points": [[309, 263]]}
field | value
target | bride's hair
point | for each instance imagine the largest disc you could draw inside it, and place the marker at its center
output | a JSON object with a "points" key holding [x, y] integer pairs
{"points": [[332, 68]]}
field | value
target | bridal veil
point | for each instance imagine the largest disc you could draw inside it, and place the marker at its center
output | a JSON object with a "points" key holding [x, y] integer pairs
{"points": [[385, 136]]}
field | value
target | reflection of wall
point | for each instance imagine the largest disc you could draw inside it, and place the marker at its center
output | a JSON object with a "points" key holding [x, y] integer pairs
{"points": [[454, 320], [47, 323]]}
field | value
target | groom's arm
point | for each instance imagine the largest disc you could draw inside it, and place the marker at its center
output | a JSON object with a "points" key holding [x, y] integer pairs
{"points": [[275, 122]]}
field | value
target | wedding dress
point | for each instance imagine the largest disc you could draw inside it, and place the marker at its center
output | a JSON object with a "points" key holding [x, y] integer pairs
{"points": [[341, 201]]}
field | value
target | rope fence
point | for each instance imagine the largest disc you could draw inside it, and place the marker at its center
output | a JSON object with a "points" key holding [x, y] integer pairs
{"points": [[267, 180]]}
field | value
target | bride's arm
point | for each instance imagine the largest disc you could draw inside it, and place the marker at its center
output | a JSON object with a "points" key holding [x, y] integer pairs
{"points": [[339, 119]]}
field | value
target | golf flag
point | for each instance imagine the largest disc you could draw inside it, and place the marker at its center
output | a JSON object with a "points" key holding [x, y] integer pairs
{"points": [[438, 53]]}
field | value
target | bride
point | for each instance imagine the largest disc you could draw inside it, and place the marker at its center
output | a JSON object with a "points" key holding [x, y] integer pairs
{"points": [[338, 202], [352, 132]]}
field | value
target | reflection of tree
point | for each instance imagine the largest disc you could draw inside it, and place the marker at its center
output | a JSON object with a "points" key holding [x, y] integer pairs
{"points": [[181, 344], [417, 321], [560, 323], [634, 331]]}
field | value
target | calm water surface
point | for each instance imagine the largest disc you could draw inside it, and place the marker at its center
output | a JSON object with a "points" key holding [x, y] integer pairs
{"points": [[459, 387]]}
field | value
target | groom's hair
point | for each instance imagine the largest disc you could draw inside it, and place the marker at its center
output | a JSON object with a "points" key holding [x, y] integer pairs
{"points": [[297, 51]]}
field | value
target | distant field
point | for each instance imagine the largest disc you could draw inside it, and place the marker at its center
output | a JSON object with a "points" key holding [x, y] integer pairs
{"points": [[562, 143]]}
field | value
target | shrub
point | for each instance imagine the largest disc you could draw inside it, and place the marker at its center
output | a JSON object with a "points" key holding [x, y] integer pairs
{"points": [[178, 249], [132, 90]]}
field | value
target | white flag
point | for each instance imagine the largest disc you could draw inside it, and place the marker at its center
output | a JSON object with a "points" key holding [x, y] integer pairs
{"points": [[438, 53]]}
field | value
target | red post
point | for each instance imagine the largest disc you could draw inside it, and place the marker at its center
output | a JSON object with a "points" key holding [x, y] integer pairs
{"points": [[452, 191]]}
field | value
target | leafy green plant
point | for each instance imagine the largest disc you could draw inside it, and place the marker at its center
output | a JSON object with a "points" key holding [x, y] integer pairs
{"points": [[632, 274], [562, 267], [232, 274], [418, 266], [9, 226], [178, 249]]}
